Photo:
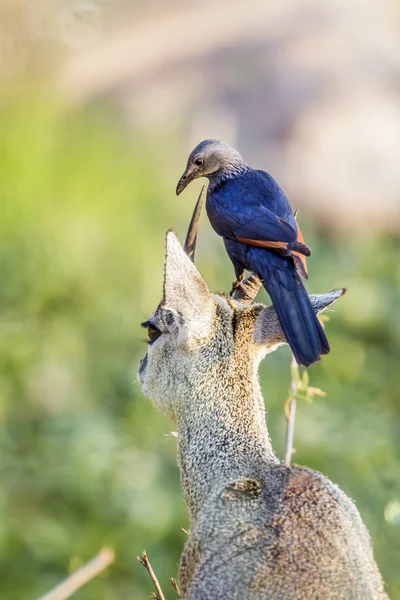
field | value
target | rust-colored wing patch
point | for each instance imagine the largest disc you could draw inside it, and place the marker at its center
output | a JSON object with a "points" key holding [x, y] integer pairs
{"points": [[301, 256], [281, 246], [264, 243]]}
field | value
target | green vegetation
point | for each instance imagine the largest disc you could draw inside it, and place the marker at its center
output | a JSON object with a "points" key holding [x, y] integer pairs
{"points": [[84, 463]]}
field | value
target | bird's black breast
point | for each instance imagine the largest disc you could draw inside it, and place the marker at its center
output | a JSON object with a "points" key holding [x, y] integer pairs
{"points": [[219, 209], [231, 203]]}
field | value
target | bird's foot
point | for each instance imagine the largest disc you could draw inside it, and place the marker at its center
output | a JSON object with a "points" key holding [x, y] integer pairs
{"points": [[236, 285]]}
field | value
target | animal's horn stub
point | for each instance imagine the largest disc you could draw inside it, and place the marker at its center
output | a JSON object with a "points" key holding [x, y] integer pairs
{"points": [[191, 237]]}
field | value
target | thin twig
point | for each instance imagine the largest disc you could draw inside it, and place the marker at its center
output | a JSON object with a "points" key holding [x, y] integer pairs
{"points": [[146, 563], [71, 584], [290, 409], [175, 586]]}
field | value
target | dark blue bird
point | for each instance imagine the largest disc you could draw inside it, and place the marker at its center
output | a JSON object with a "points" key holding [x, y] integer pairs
{"points": [[252, 214]]}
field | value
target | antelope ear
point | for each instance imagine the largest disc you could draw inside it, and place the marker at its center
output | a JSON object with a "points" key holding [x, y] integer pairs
{"points": [[268, 332], [185, 293]]}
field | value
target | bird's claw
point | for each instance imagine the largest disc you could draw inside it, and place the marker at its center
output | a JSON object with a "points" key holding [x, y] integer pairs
{"points": [[235, 286]]}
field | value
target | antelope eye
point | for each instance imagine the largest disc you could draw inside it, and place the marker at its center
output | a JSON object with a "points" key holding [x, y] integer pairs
{"points": [[152, 331], [198, 161]]}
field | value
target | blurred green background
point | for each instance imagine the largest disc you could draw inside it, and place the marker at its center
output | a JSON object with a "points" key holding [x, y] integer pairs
{"points": [[87, 194]]}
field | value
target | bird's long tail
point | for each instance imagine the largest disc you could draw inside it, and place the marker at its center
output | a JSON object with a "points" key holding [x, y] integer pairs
{"points": [[299, 322]]}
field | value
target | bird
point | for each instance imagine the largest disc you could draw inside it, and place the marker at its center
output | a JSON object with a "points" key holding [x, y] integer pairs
{"points": [[249, 210]]}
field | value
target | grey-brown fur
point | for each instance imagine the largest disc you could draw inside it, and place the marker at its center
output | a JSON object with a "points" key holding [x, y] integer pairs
{"points": [[259, 530]]}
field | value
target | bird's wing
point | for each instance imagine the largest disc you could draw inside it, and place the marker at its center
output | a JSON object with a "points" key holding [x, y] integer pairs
{"points": [[270, 231], [265, 229]]}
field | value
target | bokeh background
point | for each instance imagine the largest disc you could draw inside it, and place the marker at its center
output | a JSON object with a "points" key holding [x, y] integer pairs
{"points": [[100, 104]]}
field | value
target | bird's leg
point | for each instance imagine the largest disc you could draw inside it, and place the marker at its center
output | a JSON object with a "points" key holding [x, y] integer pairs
{"points": [[239, 278]]}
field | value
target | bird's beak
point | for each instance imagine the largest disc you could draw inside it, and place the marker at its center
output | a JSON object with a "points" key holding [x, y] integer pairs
{"points": [[184, 181]]}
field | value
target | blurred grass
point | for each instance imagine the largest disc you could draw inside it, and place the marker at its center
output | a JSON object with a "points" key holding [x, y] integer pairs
{"points": [[84, 462]]}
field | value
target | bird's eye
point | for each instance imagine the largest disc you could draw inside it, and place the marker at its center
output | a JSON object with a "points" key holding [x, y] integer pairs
{"points": [[198, 161], [152, 331]]}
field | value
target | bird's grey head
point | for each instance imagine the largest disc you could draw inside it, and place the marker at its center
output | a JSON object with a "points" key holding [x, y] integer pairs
{"points": [[213, 159]]}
